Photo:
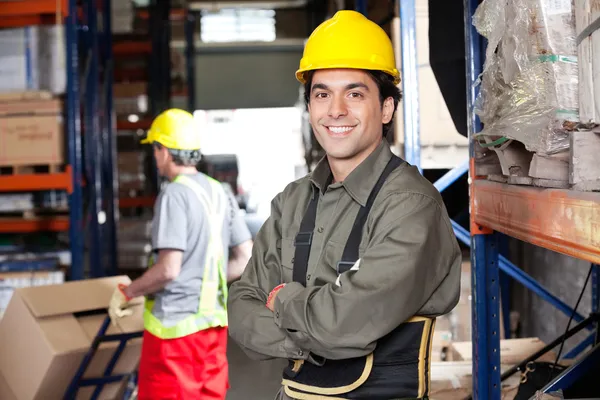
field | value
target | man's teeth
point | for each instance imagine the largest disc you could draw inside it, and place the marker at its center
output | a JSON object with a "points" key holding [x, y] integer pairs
{"points": [[340, 129]]}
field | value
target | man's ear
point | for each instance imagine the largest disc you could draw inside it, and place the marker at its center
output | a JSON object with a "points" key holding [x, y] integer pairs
{"points": [[387, 110]]}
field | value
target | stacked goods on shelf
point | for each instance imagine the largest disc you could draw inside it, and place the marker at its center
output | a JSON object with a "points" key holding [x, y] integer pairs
{"points": [[130, 98], [132, 177], [121, 16], [584, 173], [33, 58], [32, 141], [25, 265], [529, 88], [134, 242], [10, 281]]}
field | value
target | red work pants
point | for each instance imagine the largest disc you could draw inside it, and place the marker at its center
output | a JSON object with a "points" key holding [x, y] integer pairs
{"points": [[189, 368]]}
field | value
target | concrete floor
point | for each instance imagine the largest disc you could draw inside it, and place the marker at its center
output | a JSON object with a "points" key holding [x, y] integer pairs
{"points": [[252, 380]]}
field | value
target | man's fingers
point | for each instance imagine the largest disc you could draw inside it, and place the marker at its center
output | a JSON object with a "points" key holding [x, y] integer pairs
{"points": [[123, 312]]}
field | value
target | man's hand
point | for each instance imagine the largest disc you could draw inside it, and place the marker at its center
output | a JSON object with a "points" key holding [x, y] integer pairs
{"points": [[272, 296], [118, 304]]}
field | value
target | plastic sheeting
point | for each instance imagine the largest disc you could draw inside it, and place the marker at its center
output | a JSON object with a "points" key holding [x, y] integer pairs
{"points": [[529, 85]]}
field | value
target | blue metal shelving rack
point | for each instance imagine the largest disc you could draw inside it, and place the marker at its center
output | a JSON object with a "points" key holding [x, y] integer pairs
{"points": [[521, 212], [490, 268], [94, 148]]}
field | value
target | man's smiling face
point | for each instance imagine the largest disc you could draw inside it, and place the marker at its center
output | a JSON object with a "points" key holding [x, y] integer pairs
{"points": [[346, 112]]}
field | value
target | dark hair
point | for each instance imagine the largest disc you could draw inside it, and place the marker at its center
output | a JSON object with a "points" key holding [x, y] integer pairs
{"points": [[182, 158], [385, 84]]}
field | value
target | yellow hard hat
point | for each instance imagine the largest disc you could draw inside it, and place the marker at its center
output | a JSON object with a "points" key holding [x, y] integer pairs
{"points": [[348, 40], [174, 129]]}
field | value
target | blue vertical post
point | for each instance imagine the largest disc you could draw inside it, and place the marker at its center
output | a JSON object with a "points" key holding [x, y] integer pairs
{"points": [[74, 144], [361, 6], [410, 83], [190, 59], [485, 280], [596, 297], [92, 139], [484, 251], [110, 147]]}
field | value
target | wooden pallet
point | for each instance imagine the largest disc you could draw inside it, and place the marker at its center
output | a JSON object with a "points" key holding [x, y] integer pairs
{"points": [[31, 169], [577, 168]]}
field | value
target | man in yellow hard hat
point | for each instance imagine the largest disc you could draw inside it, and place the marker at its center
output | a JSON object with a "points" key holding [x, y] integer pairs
{"points": [[196, 222], [359, 257]]}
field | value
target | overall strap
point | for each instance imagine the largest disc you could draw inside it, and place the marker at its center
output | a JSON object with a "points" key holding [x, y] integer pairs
{"points": [[304, 237], [350, 254], [303, 240]]}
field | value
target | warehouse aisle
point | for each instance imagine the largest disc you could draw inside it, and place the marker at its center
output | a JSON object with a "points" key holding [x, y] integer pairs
{"points": [[252, 380]]}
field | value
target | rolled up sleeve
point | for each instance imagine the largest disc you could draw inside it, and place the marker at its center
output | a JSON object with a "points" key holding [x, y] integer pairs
{"points": [[411, 253], [251, 323]]}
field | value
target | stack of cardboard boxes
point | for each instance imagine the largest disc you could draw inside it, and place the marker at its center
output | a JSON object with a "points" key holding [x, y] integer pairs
{"points": [[47, 331]]}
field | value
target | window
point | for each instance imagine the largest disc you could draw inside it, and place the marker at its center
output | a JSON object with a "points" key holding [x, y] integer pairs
{"points": [[237, 25]]}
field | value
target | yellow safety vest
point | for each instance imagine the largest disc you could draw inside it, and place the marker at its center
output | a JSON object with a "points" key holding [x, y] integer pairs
{"points": [[212, 310]]}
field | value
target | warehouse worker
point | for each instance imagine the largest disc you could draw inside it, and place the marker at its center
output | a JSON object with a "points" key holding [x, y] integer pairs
{"points": [[195, 224], [358, 258]]}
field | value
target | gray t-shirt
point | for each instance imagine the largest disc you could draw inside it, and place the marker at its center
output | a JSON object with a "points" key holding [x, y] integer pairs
{"points": [[181, 223]]}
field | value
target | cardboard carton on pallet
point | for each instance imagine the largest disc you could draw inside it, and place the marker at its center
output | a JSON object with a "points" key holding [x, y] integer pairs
{"points": [[31, 130], [46, 332]]}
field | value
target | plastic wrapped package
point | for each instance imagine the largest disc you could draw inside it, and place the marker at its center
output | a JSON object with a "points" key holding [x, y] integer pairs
{"points": [[529, 85]]}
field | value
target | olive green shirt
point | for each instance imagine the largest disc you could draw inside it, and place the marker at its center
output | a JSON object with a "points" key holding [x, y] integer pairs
{"points": [[409, 266]]}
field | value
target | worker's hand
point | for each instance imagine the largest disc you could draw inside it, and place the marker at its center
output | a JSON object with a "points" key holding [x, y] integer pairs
{"points": [[118, 304], [272, 295]]}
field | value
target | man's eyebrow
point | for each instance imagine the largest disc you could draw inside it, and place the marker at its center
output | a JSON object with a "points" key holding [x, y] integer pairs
{"points": [[348, 87], [357, 86], [319, 86]]}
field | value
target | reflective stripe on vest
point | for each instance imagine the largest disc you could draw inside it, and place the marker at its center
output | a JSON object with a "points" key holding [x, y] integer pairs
{"points": [[212, 311]]}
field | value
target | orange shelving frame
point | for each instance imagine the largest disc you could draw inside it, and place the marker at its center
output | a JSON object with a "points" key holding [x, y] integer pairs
{"points": [[33, 8], [565, 221], [20, 225], [132, 48], [34, 182]]}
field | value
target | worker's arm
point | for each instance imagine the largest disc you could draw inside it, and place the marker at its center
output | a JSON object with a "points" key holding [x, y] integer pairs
{"points": [[238, 259], [165, 270], [251, 323], [411, 252]]}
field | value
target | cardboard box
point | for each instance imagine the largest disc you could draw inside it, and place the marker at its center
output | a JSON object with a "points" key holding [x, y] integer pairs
{"points": [[512, 351], [454, 381], [47, 330], [31, 133]]}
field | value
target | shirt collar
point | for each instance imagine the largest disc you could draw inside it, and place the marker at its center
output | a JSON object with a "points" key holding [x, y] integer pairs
{"points": [[362, 179]]}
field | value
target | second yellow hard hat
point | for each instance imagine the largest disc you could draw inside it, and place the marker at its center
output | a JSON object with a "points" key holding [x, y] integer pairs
{"points": [[348, 40], [174, 129]]}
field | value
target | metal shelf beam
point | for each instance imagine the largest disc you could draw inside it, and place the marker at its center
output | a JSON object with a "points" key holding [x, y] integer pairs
{"points": [[35, 182], [41, 224], [565, 221], [35, 7]]}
